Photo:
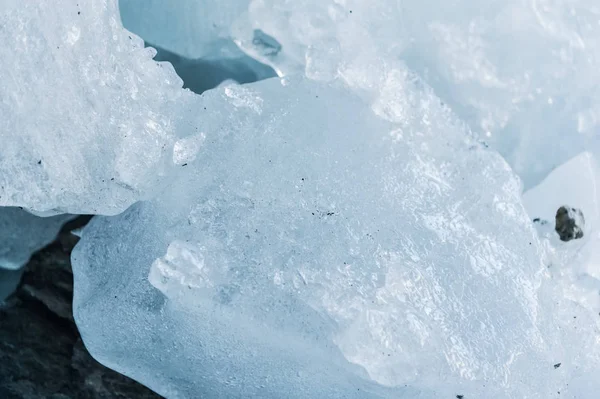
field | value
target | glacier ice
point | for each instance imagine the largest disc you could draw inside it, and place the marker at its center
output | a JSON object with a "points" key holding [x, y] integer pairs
{"points": [[521, 73], [311, 237], [87, 116], [22, 233], [338, 232]]}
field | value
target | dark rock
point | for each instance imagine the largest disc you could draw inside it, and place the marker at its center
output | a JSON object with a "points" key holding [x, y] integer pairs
{"points": [[569, 223], [41, 353]]}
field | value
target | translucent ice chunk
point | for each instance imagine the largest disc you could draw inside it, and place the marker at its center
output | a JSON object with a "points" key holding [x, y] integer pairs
{"points": [[22, 233], [521, 73], [87, 116], [314, 249]]}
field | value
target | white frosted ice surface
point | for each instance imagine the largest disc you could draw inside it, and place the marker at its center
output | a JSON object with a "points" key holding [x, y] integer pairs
{"points": [[574, 185], [311, 248], [521, 73], [21, 234], [87, 116], [337, 235]]}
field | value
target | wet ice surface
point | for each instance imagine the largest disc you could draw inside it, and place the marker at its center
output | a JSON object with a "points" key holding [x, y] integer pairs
{"points": [[346, 231], [323, 253]]}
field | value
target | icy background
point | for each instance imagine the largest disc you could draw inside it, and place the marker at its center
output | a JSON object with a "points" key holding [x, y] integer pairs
{"points": [[378, 221]]}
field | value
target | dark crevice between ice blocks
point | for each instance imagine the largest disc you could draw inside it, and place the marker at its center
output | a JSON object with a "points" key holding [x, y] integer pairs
{"points": [[203, 74]]}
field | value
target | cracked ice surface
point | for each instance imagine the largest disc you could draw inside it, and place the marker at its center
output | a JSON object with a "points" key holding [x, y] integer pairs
{"points": [[311, 236], [87, 116]]}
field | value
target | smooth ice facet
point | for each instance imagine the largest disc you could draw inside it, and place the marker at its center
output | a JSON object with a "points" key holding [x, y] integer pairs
{"points": [[315, 249]]}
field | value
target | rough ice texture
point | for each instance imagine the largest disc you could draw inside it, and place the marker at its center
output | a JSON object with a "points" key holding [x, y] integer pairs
{"points": [[313, 249], [87, 115], [22, 233], [521, 73], [340, 238]]}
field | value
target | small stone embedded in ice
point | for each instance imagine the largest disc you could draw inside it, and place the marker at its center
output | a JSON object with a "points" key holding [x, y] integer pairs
{"points": [[89, 119], [316, 248], [21, 234], [569, 223], [574, 184]]}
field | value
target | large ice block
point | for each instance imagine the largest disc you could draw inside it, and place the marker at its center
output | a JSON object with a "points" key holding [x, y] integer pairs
{"points": [[312, 247], [87, 116]]}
